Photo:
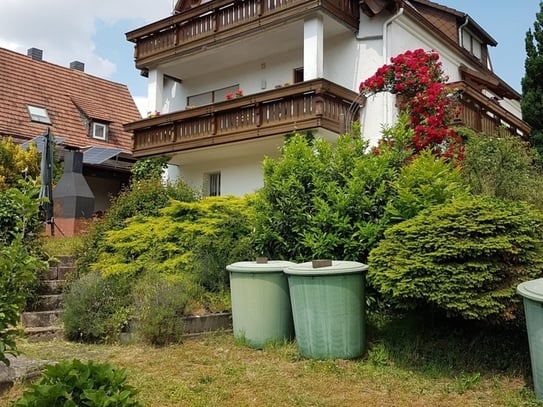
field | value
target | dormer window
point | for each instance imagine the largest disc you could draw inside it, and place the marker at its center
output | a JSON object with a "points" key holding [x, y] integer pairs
{"points": [[38, 114], [472, 44], [99, 130]]}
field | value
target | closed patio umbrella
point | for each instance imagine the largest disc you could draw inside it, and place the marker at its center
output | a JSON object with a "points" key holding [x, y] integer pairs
{"points": [[46, 189]]}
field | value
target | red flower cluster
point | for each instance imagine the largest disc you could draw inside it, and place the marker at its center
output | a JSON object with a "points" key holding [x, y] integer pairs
{"points": [[416, 77]]}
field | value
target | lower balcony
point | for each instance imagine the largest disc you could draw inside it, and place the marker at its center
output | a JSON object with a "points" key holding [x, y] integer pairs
{"points": [[299, 107], [485, 115]]}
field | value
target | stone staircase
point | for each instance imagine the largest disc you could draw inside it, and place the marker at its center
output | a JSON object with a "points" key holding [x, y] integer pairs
{"points": [[41, 319]]}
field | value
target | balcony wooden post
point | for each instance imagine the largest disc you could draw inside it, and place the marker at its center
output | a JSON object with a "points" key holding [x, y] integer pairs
{"points": [[213, 124], [258, 114], [319, 105], [215, 20], [259, 7]]}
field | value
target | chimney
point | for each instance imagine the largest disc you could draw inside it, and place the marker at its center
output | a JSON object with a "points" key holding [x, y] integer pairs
{"points": [[78, 66], [35, 53]]}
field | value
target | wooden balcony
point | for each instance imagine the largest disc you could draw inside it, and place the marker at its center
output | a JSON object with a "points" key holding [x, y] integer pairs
{"points": [[299, 107], [221, 20], [484, 115]]}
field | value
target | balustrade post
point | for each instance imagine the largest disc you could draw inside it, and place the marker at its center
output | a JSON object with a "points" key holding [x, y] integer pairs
{"points": [[258, 114], [215, 20], [319, 105], [213, 124], [259, 7]]}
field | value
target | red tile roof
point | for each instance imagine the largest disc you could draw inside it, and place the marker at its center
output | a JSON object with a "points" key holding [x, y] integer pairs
{"points": [[69, 95]]}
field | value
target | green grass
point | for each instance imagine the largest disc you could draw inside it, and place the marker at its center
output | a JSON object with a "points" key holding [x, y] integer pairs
{"points": [[60, 245], [409, 362]]}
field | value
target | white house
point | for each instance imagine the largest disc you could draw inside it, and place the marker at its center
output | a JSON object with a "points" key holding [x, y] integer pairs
{"points": [[295, 65]]}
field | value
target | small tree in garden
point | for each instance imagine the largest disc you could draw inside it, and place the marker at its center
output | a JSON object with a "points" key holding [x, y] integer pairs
{"points": [[416, 77]]}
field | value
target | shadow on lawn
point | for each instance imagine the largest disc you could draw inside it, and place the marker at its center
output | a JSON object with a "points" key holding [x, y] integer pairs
{"points": [[434, 345]]}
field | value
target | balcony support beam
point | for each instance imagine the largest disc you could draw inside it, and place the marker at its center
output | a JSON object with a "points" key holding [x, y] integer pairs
{"points": [[313, 48], [155, 87]]}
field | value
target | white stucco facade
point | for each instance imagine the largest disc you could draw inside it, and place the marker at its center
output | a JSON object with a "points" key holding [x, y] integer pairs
{"points": [[344, 57]]}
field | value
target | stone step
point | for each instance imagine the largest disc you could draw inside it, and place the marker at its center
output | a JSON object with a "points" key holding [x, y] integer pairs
{"points": [[44, 333], [48, 302], [32, 319], [58, 272], [50, 287]]}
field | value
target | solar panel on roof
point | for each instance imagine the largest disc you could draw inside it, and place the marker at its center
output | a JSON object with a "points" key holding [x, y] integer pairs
{"points": [[40, 142], [97, 155]]}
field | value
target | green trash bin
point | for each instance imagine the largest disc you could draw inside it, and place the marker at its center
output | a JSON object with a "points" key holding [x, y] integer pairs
{"points": [[532, 293], [261, 309], [328, 307]]}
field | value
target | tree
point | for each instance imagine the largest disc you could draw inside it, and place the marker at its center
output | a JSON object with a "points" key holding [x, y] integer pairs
{"points": [[532, 83]]}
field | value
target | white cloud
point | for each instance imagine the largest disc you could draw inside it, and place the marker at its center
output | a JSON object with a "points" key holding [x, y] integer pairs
{"points": [[64, 29]]}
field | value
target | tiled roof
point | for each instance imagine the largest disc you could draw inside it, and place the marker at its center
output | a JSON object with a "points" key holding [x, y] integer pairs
{"points": [[69, 95]]}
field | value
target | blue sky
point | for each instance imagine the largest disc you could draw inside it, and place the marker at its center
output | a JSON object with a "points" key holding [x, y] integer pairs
{"points": [[93, 32]]}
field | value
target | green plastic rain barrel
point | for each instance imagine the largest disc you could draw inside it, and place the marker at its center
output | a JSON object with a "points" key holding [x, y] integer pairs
{"points": [[261, 309], [328, 307], [532, 293]]}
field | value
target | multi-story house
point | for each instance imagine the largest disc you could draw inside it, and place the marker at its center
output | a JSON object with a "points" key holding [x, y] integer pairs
{"points": [[85, 116], [227, 79]]}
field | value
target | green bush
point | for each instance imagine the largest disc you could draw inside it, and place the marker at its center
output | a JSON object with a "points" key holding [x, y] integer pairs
{"points": [[465, 257], [160, 302], [327, 201], [97, 309], [424, 182], [503, 166], [144, 198], [20, 262], [75, 383]]}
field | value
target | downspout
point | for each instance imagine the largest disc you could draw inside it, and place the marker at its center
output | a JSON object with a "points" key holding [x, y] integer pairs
{"points": [[385, 58], [461, 31]]}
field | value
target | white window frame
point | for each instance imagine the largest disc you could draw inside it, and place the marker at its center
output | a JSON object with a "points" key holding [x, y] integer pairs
{"points": [[38, 114], [95, 130]]}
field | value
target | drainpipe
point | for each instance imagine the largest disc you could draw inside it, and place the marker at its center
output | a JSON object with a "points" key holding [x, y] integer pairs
{"points": [[385, 57], [461, 32]]}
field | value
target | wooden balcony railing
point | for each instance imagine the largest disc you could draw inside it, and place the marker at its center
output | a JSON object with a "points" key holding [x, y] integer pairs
{"points": [[299, 107], [219, 20], [485, 115]]}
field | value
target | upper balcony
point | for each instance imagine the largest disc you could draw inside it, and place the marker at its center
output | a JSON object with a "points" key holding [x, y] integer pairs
{"points": [[302, 106], [220, 21]]}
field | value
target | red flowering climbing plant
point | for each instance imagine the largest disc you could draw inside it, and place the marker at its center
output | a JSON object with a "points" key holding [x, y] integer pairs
{"points": [[417, 79]]}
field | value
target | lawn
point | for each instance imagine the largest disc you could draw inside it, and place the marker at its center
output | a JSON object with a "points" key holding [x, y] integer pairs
{"points": [[407, 364]]}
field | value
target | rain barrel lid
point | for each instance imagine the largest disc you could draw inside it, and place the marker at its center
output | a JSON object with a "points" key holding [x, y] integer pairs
{"points": [[334, 267], [532, 290], [270, 266]]}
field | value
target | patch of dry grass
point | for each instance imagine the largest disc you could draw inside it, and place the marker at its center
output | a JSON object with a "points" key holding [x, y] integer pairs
{"points": [[217, 370]]}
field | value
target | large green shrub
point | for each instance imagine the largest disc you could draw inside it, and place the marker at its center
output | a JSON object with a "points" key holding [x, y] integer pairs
{"points": [[75, 383], [327, 201], [503, 166], [144, 198], [465, 257]]}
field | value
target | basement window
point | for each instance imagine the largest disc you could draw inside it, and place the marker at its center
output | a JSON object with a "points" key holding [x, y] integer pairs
{"points": [[99, 131], [38, 114]]}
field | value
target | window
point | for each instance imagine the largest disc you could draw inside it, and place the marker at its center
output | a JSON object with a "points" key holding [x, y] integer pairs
{"points": [[298, 75], [99, 131], [472, 44], [212, 184], [38, 114], [213, 96]]}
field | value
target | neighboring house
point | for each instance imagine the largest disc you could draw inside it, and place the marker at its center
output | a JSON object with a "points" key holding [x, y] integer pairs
{"points": [[298, 65], [83, 112]]}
